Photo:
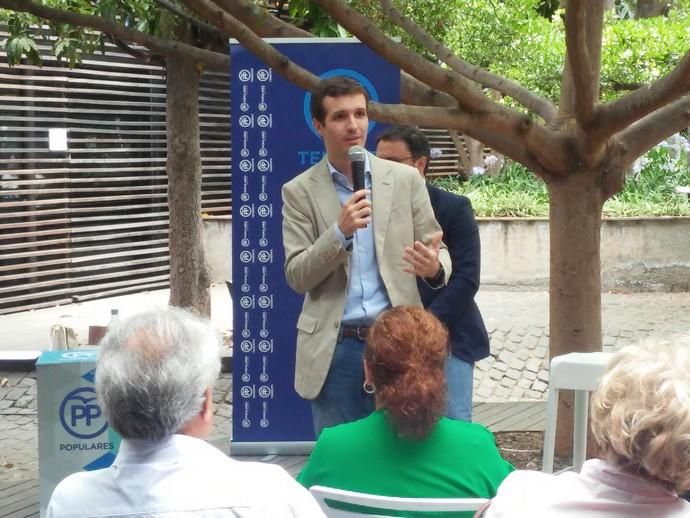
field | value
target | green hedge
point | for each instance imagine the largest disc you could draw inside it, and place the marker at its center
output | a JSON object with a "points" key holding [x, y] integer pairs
{"points": [[649, 189]]}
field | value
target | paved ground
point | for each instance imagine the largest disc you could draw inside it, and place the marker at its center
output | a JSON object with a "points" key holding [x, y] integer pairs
{"points": [[518, 324], [516, 369]]}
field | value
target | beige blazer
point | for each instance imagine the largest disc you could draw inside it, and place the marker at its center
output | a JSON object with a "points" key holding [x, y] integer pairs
{"points": [[317, 265]]}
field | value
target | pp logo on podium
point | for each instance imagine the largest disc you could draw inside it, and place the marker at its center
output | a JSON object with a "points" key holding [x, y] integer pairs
{"points": [[80, 415]]}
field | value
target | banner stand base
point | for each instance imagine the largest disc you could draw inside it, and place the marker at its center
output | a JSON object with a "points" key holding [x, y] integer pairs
{"points": [[271, 448]]}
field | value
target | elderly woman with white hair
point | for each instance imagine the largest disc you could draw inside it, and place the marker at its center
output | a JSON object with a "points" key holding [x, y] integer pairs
{"points": [[641, 423]]}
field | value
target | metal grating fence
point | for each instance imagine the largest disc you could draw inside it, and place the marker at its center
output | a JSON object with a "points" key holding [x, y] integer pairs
{"points": [[92, 221]]}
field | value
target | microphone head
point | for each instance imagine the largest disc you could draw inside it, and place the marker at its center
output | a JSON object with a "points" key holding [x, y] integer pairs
{"points": [[357, 154]]}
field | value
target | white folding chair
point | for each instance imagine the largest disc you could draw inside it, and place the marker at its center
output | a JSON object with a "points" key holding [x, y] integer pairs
{"points": [[581, 373], [388, 503]]}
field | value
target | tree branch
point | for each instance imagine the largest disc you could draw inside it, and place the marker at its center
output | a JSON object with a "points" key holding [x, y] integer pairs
{"points": [[173, 8], [415, 92], [446, 81], [499, 133], [655, 127], [581, 69], [633, 107], [160, 46], [143, 56], [425, 116], [262, 23], [542, 107], [255, 44], [497, 125]]}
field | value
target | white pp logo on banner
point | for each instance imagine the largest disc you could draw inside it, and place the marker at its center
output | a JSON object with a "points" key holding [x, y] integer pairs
{"points": [[247, 301], [263, 332], [265, 75], [263, 149], [266, 301], [247, 346], [263, 377], [265, 256], [244, 105], [264, 120], [266, 391], [246, 75], [247, 165], [263, 423], [266, 346], [246, 422], [246, 121], [244, 152], [248, 391], [265, 211], [265, 165], [246, 377], [247, 256]]}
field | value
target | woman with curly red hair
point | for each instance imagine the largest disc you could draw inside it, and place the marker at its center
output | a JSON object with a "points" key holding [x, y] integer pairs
{"points": [[406, 448]]}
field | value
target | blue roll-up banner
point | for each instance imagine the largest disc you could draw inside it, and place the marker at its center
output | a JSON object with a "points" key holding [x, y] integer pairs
{"points": [[273, 140]]}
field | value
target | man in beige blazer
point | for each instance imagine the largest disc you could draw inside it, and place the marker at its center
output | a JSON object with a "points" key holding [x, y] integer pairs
{"points": [[353, 255]]}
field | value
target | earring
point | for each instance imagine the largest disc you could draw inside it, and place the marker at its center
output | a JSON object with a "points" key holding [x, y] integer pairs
{"points": [[368, 388]]}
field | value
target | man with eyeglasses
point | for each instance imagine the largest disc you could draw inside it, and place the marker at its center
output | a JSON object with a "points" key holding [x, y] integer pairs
{"points": [[453, 304]]}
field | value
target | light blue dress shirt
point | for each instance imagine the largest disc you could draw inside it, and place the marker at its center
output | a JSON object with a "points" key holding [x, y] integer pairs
{"points": [[366, 294]]}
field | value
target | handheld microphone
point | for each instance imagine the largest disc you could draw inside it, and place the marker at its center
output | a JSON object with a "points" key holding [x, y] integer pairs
{"points": [[357, 155]]}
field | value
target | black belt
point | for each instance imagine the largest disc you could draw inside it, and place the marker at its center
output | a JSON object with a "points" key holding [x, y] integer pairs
{"points": [[359, 332]]}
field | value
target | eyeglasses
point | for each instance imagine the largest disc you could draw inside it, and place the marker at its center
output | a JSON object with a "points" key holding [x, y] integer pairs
{"points": [[399, 160]]}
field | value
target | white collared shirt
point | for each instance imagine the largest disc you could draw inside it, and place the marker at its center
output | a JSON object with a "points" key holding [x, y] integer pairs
{"points": [[181, 477], [600, 490]]}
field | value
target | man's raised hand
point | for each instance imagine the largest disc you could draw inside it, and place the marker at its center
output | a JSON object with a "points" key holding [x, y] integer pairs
{"points": [[423, 260]]}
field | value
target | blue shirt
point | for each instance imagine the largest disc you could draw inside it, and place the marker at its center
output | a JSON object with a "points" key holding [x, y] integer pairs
{"points": [[366, 294]]}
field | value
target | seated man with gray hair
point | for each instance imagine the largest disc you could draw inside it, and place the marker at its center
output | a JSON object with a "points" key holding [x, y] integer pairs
{"points": [[154, 381]]}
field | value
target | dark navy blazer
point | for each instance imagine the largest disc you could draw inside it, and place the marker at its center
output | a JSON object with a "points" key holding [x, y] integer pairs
{"points": [[454, 304]]}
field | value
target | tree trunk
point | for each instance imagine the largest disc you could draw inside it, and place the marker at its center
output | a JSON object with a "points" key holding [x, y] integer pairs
{"points": [[189, 280], [575, 268], [651, 8]]}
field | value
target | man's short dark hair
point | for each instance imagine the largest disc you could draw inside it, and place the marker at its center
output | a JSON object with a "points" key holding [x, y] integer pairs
{"points": [[416, 141], [335, 86]]}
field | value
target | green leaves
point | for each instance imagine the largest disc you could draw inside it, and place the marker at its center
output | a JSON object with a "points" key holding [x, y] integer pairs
{"points": [[515, 192], [515, 40], [71, 43], [649, 189], [20, 42], [17, 47], [314, 19], [640, 51]]}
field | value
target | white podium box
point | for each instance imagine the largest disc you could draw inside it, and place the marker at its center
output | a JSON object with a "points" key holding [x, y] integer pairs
{"points": [[73, 434]]}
